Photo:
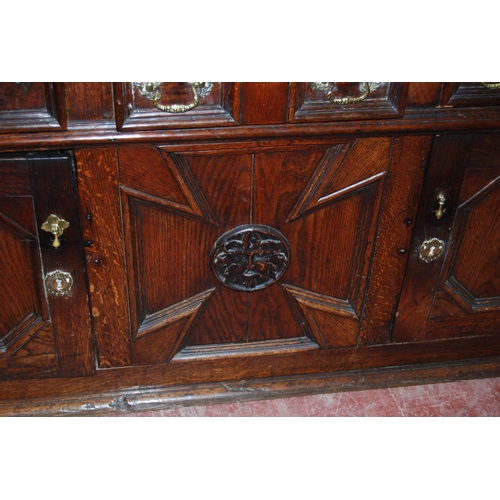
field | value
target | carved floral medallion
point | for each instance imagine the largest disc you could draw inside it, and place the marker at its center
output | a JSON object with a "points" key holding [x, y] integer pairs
{"points": [[250, 257]]}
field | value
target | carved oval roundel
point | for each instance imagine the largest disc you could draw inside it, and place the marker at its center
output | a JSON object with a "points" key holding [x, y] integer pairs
{"points": [[250, 257]]}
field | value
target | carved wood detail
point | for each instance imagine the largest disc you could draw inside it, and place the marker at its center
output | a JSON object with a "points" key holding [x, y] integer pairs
{"points": [[332, 322], [174, 313], [250, 257], [163, 334], [173, 186], [169, 220], [344, 169], [260, 347]]}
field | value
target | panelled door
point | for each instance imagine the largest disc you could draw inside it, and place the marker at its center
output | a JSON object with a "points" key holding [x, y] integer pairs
{"points": [[44, 313], [198, 252], [452, 287]]}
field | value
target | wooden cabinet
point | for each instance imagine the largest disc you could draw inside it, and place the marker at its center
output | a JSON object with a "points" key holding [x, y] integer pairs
{"points": [[220, 249]]}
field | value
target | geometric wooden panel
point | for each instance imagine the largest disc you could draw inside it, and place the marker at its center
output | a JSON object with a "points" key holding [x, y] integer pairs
{"points": [[174, 206], [332, 322], [343, 169], [21, 318], [473, 283]]}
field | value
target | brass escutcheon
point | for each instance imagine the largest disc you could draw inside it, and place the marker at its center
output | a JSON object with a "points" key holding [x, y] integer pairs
{"points": [[431, 249], [59, 283]]}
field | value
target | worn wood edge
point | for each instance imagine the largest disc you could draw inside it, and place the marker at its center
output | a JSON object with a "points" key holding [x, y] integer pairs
{"points": [[413, 123], [136, 399]]}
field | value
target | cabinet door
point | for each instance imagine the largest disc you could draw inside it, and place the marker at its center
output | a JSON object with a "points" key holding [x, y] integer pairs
{"points": [[213, 253], [455, 291], [44, 318]]}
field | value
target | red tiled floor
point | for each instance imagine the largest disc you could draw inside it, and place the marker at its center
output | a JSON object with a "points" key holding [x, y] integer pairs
{"points": [[467, 398]]}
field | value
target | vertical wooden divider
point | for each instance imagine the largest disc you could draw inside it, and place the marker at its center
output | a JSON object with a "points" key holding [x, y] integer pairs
{"points": [[97, 171]]}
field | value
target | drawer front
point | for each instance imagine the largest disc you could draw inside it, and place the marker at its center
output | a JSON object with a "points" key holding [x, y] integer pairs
{"points": [[165, 105], [468, 94], [31, 107], [330, 101]]}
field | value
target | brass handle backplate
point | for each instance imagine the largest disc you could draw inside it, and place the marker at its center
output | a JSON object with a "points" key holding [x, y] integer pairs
{"points": [[59, 283], [431, 249], [56, 226], [329, 86], [151, 91], [491, 86]]}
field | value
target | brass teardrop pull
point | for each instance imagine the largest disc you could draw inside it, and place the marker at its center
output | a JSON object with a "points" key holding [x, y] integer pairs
{"points": [[439, 212], [56, 226]]}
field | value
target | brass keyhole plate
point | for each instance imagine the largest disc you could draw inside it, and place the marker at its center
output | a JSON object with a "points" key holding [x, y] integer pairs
{"points": [[431, 249]]}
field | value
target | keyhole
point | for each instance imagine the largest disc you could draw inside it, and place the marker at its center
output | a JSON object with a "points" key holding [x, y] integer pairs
{"points": [[59, 284]]}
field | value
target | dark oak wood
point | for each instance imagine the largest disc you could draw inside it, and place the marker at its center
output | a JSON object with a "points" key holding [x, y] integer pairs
{"points": [[54, 192], [308, 104], [89, 102], [415, 121], [264, 103], [158, 397], [135, 112], [395, 229], [458, 294], [32, 106], [467, 94], [264, 243], [98, 188]]}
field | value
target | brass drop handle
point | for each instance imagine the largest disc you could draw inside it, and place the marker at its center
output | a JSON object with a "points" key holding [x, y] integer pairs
{"points": [[350, 100], [328, 87], [151, 91], [56, 226], [439, 212], [491, 86]]}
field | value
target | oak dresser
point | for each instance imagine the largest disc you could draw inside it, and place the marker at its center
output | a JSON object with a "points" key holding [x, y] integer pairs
{"points": [[193, 243]]}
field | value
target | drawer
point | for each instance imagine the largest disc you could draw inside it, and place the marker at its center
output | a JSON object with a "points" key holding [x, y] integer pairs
{"points": [[334, 101], [31, 107], [467, 94], [165, 105]]}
